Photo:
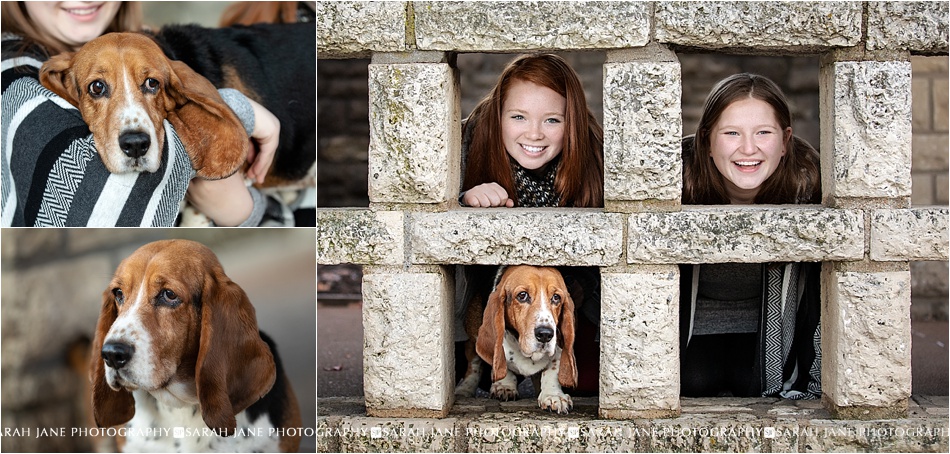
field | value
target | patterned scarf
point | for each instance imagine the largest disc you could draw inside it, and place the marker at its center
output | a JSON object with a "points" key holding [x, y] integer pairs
{"points": [[536, 190]]}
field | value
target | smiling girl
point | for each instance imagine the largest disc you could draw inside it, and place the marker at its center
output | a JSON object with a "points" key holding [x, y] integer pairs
{"points": [[533, 140], [746, 131], [749, 329]]}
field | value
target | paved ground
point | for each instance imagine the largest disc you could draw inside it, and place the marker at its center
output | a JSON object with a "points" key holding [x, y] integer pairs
{"points": [[340, 361], [340, 352]]}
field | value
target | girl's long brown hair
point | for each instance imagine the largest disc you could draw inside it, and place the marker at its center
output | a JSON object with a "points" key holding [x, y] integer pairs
{"points": [[796, 179], [580, 174], [17, 21]]}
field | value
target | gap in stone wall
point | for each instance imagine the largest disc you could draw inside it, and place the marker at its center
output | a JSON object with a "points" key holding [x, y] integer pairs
{"points": [[586, 331], [343, 133]]}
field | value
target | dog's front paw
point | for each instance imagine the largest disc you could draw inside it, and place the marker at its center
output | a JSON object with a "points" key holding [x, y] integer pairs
{"points": [[555, 401], [502, 390]]}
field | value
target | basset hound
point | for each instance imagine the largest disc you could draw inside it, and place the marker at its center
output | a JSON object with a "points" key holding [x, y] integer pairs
{"points": [[527, 327], [126, 84], [178, 357]]}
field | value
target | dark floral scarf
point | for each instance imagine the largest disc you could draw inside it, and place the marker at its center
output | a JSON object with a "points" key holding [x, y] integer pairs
{"points": [[536, 190]]}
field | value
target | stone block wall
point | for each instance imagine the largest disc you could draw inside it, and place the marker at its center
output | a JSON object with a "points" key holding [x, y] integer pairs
{"points": [[866, 231]]}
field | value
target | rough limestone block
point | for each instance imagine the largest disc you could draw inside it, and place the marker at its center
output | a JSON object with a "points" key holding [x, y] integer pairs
{"points": [[782, 25], [362, 434], [909, 235], [915, 26], [895, 435], [353, 29], [642, 130], [503, 26], [510, 236], [360, 236], [414, 133], [745, 234], [865, 331], [407, 344], [866, 129], [639, 344], [740, 432], [499, 432]]}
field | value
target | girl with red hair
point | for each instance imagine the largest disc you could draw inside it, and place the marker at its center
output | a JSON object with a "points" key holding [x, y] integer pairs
{"points": [[533, 141]]}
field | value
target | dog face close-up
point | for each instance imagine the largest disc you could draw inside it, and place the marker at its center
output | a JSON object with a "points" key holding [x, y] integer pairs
{"points": [[535, 298], [534, 303], [123, 104], [125, 87], [148, 297], [172, 324]]}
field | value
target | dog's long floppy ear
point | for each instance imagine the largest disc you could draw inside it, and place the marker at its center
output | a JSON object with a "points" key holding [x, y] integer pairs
{"points": [[212, 135], [57, 76], [235, 366], [491, 335], [567, 370], [110, 407]]}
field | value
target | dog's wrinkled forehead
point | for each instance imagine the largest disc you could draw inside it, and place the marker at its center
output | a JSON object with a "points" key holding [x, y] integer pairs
{"points": [[187, 257], [538, 277], [100, 55], [121, 41]]}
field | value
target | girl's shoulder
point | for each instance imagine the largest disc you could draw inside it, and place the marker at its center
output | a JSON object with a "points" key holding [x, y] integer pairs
{"points": [[20, 59], [14, 46]]}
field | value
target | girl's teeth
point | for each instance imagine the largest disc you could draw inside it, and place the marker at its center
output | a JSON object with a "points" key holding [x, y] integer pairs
{"points": [[81, 12], [753, 163], [533, 149]]}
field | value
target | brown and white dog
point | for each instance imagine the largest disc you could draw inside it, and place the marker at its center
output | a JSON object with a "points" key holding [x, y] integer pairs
{"points": [[126, 84], [526, 328], [177, 346]]}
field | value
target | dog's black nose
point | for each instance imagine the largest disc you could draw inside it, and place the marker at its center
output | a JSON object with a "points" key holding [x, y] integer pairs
{"points": [[134, 144], [117, 354], [543, 334]]}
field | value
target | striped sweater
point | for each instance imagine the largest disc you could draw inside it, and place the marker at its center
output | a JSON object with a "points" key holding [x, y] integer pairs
{"points": [[51, 172]]}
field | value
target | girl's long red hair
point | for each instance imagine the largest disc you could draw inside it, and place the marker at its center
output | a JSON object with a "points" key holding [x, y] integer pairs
{"points": [[580, 175]]}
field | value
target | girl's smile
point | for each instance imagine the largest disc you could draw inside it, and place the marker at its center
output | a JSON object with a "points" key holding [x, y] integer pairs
{"points": [[73, 23]]}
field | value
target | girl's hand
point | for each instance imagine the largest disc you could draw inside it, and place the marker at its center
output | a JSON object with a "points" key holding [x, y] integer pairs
{"points": [[487, 195], [264, 141]]}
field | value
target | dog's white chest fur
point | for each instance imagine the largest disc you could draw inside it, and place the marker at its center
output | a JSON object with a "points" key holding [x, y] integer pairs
{"points": [[524, 365], [160, 427]]}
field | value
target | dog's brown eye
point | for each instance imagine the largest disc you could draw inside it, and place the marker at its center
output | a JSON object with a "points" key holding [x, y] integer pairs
{"points": [[168, 298], [556, 299], [523, 297], [119, 297], [150, 85], [97, 88]]}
